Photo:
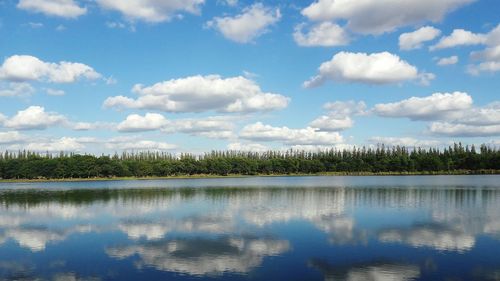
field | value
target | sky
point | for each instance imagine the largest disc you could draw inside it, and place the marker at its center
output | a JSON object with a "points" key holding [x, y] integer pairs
{"points": [[104, 76]]}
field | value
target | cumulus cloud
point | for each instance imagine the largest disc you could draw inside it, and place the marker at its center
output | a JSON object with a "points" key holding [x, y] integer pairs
{"points": [[489, 58], [219, 127], [19, 68], [254, 21], [431, 107], [255, 147], [404, 141], [139, 145], [325, 34], [49, 144], [62, 144], [201, 93], [374, 17], [86, 126], [480, 116], [216, 127], [34, 118], [16, 89], [332, 123], [307, 136], [415, 39], [459, 37], [58, 8], [453, 113], [148, 122], [11, 137], [463, 130], [447, 61], [152, 10], [339, 115], [54, 92], [376, 68]]}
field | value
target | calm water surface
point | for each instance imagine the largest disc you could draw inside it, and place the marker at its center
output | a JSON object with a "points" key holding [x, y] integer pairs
{"points": [[279, 228]]}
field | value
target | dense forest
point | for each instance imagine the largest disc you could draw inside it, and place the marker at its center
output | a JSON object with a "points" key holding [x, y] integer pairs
{"points": [[30, 165]]}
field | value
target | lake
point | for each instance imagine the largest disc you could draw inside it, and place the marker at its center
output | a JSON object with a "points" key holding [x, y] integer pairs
{"points": [[256, 228]]}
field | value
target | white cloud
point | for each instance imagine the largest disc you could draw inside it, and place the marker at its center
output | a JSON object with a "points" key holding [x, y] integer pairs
{"points": [[459, 37], [309, 135], [339, 115], [463, 130], [247, 26], [58, 8], [448, 61], [86, 126], [34, 118], [425, 108], [332, 123], [404, 141], [140, 145], [231, 3], [255, 147], [11, 137], [415, 39], [152, 10], [148, 122], [375, 17], [54, 92], [489, 57], [215, 127], [35, 25], [376, 68], [219, 127], [29, 68], [16, 89], [61, 144], [325, 34], [346, 108], [115, 24], [454, 113], [479, 116], [202, 93]]}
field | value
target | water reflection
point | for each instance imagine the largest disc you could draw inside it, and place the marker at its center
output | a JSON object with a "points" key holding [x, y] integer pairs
{"points": [[219, 232], [437, 236], [373, 271], [199, 256]]}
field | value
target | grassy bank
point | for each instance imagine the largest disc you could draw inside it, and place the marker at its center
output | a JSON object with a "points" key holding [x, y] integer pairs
{"points": [[209, 176]]}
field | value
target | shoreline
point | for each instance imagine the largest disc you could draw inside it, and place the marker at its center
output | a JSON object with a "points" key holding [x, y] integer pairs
{"points": [[208, 176]]}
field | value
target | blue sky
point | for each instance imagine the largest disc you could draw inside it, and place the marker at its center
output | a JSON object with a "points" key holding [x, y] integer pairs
{"points": [[191, 76]]}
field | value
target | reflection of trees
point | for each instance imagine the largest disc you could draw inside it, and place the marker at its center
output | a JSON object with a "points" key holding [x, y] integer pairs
{"points": [[200, 256], [372, 271]]}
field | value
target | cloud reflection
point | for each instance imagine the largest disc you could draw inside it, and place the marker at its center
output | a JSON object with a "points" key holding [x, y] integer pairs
{"points": [[203, 256], [436, 236], [372, 271]]}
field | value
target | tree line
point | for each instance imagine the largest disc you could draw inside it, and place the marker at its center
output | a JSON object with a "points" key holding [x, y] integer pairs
{"points": [[382, 159]]}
